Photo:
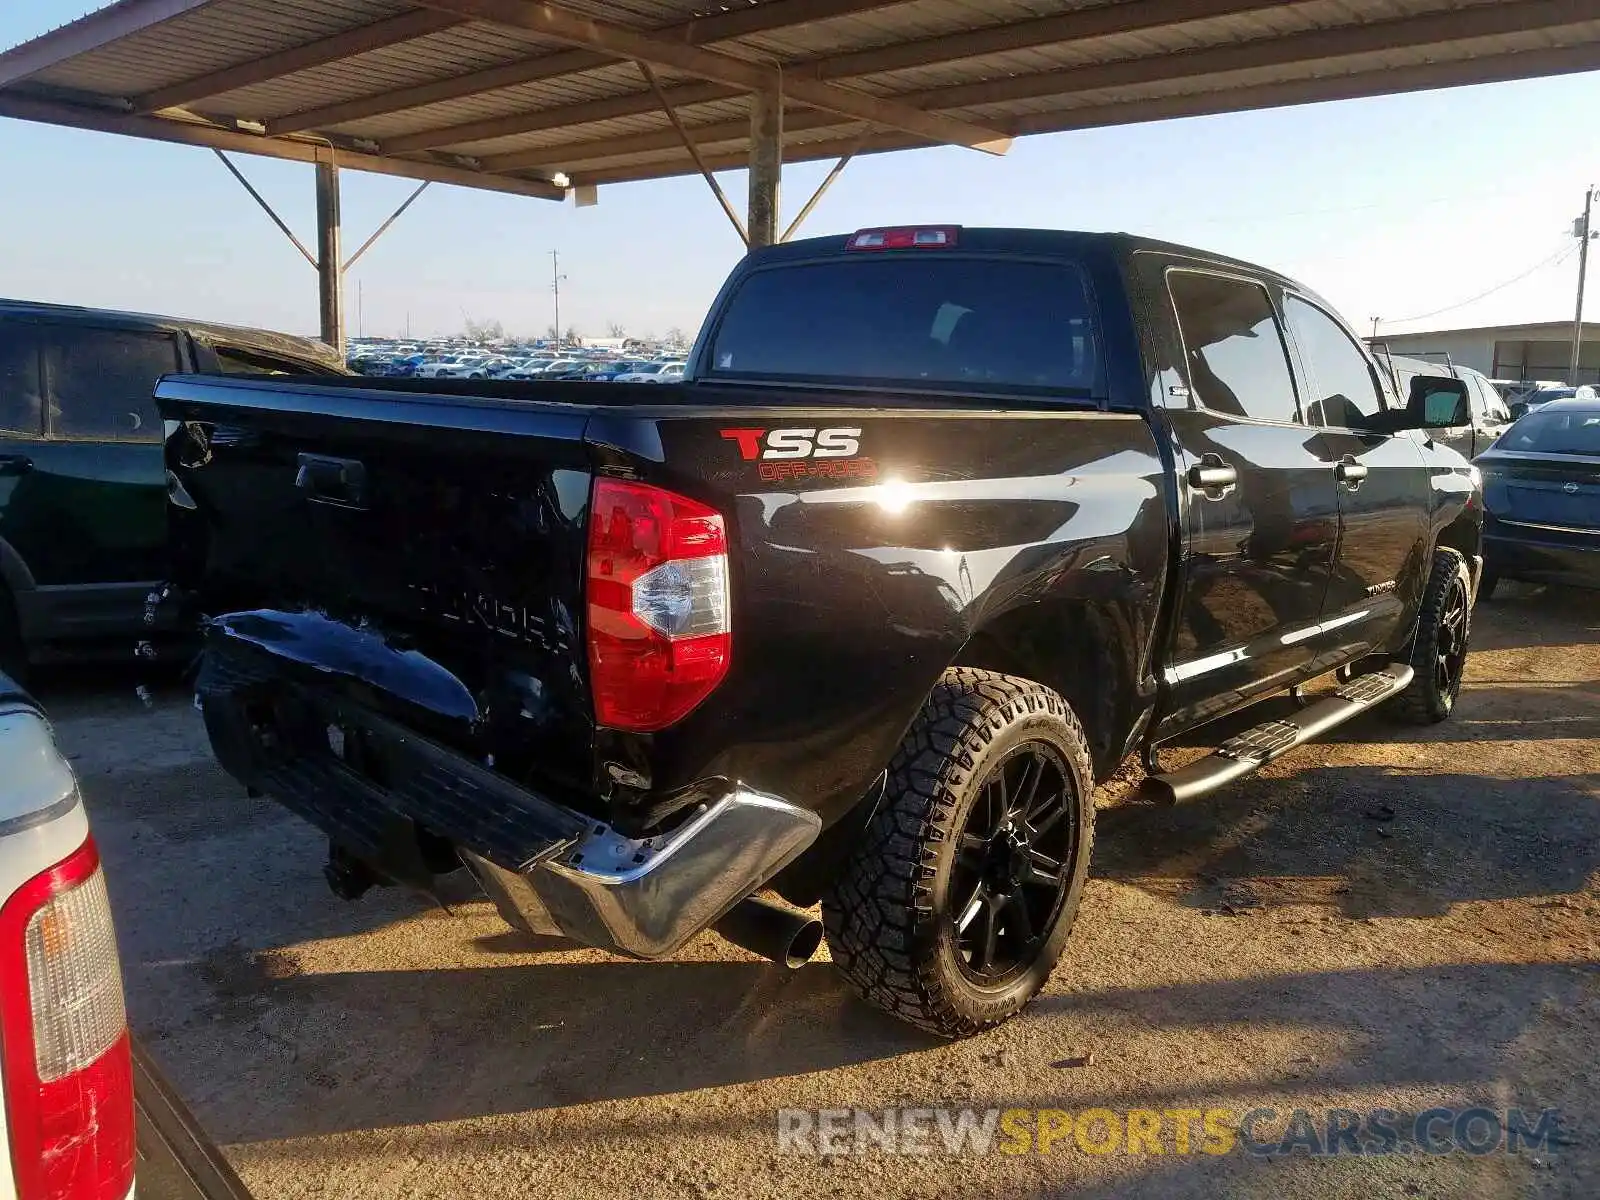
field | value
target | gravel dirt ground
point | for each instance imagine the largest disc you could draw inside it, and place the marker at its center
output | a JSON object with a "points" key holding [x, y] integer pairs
{"points": [[1399, 917]]}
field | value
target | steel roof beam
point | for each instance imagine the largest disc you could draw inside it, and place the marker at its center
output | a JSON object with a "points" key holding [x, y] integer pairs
{"points": [[391, 31], [694, 153], [1078, 25], [1480, 20], [195, 133], [804, 152], [1381, 81], [558, 24], [1485, 20], [630, 104], [89, 33], [740, 22], [597, 149]]}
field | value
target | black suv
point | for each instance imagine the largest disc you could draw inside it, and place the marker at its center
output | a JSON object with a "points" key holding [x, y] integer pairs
{"points": [[83, 494]]}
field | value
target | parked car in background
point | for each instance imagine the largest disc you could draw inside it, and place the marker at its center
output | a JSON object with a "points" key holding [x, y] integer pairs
{"points": [[66, 1063], [530, 368], [558, 368], [610, 372], [1512, 390], [668, 373], [474, 367], [443, 366], [404, 366], [944, 526], [1465, 410], [1541, 495], [83, 492], [1548, 393], [641, 373], [577, 371]]}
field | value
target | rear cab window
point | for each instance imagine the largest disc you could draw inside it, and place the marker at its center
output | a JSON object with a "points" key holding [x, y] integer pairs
{"points": [[21, 388], [922, 321], [99, 381], [234, 361]]}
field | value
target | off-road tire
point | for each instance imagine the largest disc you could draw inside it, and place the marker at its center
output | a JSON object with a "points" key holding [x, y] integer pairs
{"points": [[1426, 701], [886, 914]]}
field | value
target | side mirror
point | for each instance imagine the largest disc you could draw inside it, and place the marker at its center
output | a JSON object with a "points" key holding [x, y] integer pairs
{"points": [[1519, 410], [1437, 402]]}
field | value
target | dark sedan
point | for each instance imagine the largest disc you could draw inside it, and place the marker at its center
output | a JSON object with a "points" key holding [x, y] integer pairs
{"points": [[1541, 489]]}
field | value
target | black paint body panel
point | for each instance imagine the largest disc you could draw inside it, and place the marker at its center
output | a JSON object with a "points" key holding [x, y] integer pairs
{"points": [[1061, 529]]}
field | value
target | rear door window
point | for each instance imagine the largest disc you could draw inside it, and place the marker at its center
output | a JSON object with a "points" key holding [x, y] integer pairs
{"points": [[926, 321], [101, 381], [21, 406], [1238, 364]]}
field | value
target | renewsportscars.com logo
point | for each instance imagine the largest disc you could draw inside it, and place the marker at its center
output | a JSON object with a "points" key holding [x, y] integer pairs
{"points": [[1259, 1132]]}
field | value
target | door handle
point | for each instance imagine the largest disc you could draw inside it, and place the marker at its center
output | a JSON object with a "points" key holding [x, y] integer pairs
{"points": [[15, 464], [1350, 471], [1211, 474], [337, 481]]}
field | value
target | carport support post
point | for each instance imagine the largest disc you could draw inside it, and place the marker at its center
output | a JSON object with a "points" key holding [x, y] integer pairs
{"points": [[330, 259], [766, 167]]}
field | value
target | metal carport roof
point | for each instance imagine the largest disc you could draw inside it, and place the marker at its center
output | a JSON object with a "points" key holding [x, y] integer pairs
{"points": [[526, 97], [547, 99]]}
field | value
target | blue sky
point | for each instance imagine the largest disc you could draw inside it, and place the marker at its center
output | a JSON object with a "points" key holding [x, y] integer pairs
{"points": [[1390, 207]]}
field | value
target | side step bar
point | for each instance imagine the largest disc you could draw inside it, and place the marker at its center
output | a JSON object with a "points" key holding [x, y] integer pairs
{"points": [[1255, 747]]}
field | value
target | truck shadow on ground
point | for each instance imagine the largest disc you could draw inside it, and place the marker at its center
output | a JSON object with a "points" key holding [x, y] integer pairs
{"points": [[484, 1043], [320, 1053], [1368, 841], [1525, 615], [1493, 711]]}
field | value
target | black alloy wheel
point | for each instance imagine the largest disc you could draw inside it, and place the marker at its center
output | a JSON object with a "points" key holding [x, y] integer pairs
{"points": [[1450, 647], [1009, 877], [1438, 650], [953, 907]]}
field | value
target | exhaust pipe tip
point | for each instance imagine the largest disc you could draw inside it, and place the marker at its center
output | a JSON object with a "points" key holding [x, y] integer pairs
{"points": [[773, 931], [804, 945]]}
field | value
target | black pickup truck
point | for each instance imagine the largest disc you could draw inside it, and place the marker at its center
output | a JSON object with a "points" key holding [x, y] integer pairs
{"points": [[943, 525]]}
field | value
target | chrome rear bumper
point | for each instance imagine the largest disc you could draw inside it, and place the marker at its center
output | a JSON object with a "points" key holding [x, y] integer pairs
{"points": [[645, 898]]}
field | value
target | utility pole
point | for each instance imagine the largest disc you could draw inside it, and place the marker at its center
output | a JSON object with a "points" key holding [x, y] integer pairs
{"points": [[1580, 228], [555, 287]]}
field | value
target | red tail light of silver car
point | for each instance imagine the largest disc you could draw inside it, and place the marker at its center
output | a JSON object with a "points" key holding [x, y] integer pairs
{"points": [[66, 1059]]}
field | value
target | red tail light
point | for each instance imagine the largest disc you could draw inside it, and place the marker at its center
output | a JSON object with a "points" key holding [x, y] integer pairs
{"points": [[659, 634], [68, 1071]]}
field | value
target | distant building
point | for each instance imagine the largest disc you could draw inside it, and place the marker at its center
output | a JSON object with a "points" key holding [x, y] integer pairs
{"points": [[1539, 351]]}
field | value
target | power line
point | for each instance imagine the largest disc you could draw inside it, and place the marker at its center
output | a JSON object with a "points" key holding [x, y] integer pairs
{"points": [[1406, 203], [1564, 253]]}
